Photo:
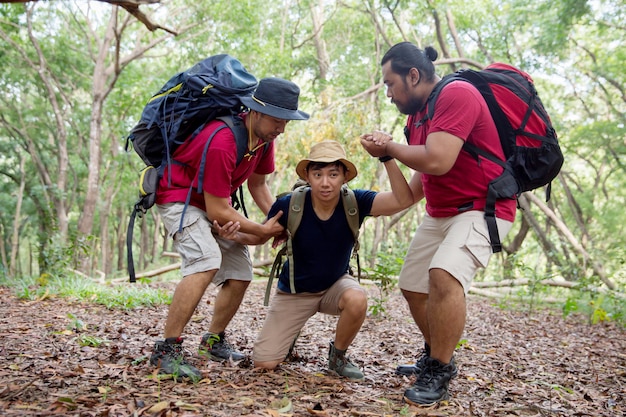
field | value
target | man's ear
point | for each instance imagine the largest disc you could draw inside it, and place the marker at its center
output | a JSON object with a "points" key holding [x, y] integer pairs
{"points": [[414, 76]]}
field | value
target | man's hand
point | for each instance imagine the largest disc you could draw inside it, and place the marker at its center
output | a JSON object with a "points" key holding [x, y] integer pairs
{"points": [[375, 143], [272, 228], [229, 231], [280, 239]]}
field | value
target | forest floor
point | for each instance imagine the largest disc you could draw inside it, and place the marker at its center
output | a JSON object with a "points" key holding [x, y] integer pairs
{"points": [[64, 357]]}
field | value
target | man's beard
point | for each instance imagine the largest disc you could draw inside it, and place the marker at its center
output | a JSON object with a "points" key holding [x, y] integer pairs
{"points": [[410, 108]]}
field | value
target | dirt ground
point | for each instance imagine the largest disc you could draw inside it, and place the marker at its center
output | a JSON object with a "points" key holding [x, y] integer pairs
{"points": [[511, 363]]}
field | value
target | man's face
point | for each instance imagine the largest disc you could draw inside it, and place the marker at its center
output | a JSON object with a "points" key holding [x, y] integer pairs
{"points": [[326, 181], [267, 128], [399, 91]]}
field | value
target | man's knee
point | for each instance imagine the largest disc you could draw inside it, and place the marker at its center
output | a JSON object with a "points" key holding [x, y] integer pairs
{"points": [[413, 297], [354, 299], [270, 365], [442, 282], [236, 285]]}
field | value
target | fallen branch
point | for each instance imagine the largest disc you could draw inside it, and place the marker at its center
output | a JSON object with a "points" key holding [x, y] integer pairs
{"points": [[510, 295], [158, 271], [523, 282]]}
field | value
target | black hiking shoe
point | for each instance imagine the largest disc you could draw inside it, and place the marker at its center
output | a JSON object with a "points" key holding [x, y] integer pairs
{"points": [[415, 369], [431, 385], [168, 356], [216, 348]]}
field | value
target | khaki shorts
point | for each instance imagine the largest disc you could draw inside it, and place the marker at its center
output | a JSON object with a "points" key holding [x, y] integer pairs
{"points": [[459, 245], [200, 250], [289, 312]]}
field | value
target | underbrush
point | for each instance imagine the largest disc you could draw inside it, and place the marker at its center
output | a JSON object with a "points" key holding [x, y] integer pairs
{"points": [[73, 286]]}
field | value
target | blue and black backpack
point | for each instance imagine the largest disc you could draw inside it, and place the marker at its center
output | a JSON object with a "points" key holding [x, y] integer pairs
{"points": [[211, 89]]}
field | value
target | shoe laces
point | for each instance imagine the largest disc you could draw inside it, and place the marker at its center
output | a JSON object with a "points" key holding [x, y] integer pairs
{"points": [[432, 372], [339, 361]]}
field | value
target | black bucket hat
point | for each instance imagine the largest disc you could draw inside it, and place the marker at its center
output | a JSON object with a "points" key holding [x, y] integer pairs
{"points": [[276, 97]]}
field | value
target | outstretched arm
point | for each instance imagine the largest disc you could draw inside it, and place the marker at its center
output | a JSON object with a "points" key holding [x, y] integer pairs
{"points": [[401, 195]]}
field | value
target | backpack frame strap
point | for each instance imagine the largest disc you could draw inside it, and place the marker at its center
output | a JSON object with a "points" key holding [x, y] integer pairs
{"points": [[351, 208], [276, 268], [296, 210]]}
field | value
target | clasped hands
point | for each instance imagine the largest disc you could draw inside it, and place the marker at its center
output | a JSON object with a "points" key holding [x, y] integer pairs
{"points": [[375, 143], [231, 231]]}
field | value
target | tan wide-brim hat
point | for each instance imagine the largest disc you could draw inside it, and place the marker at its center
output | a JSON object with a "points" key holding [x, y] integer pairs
{"points": [[327, 151]]}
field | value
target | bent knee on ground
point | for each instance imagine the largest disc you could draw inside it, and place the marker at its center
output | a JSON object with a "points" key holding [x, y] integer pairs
{"points": [[270, 365]]}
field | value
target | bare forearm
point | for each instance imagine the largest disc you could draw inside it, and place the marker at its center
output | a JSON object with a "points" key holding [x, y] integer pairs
{"points": [[220, 210], [399, 187]]}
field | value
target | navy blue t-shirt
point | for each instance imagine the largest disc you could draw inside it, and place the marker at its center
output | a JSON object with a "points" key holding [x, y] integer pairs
{"points": [[321, 248]]}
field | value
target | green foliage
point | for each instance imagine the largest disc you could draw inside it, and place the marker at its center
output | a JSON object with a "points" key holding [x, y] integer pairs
{"points": [[384, 276], [91, 341], [597, 307], [76, 324], [573, 48], [124, 297]]}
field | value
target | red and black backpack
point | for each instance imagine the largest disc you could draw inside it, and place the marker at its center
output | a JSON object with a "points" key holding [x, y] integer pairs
{"points": [[529, 141]]}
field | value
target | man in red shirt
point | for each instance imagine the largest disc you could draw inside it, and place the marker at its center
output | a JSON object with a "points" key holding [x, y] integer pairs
{"points": [[452, 242], [206, 257]]}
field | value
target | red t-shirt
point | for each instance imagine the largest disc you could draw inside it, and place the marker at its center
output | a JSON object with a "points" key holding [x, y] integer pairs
{"points": [[462, 112], [221, 174]]}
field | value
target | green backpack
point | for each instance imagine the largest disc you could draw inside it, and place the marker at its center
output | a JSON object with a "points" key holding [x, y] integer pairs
{"points": [[296, 207]]}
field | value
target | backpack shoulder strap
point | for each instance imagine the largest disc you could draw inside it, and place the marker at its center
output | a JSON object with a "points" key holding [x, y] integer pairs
{"points": [[430, 103], [296, 208], [351, 209], [238, 127], [294, 217], [236, 124], [434, 95]]}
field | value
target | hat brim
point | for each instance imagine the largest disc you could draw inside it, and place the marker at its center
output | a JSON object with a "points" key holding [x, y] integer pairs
{"points": [[274, 111], [351, 171]]}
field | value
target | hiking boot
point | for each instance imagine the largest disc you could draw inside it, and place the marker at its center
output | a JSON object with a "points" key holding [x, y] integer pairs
{"points": [[339, 364], [410, 369], [169, 357], [217, 348], [431, 385]]}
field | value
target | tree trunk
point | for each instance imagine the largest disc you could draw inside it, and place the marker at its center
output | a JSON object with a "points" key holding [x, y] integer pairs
{"points": [[323, 61], [15, 239], [565, 232]]}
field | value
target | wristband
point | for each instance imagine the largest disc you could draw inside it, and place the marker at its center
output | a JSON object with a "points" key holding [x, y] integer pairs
{"points": [[385, 158]]}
